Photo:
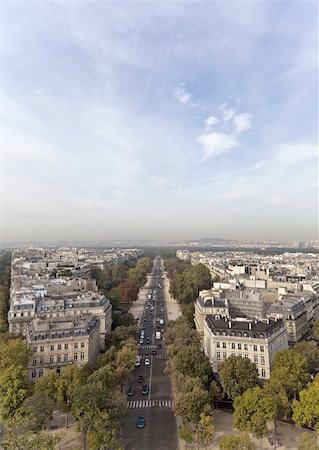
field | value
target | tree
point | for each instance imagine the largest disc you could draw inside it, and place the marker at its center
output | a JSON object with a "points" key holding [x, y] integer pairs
{"points": [[13, 352], [191, 403], [40, 409], [306, 409], [275, 390], [30, 441], [311, 352], [104, 377], [253, 409], [185, 432], [290, 367], [68, 381], [13, 391], [47, 384], [239, 442], [137, 276], [205, 429], [125, 361], [128, 291], [307, 441], [192, 361], [201, 277], [237, 374]]}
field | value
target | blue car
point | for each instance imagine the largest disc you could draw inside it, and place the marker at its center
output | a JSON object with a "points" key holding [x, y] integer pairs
{"points": [[141, 422]]}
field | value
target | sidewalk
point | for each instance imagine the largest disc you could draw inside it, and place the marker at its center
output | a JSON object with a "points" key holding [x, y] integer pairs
{"points": [[172, 305], [137, 307]]}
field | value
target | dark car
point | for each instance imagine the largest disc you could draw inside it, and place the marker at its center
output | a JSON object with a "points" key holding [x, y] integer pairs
{"points": [[153, 352], [141, 422], [140, 379], [148, 340], [130, 391], [144, 389]]}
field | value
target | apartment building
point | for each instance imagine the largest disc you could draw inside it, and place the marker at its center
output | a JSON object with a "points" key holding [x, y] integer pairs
{"points": [[28, 306], [246, 303], [257, 340], [294, 314], [61, 341], [208, 303]]}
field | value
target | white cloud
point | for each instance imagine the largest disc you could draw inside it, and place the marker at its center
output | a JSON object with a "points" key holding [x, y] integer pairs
{"points": [[242, 122], [295, 152], [227, 112], [181, 94], [211, 121], [214, 144]]}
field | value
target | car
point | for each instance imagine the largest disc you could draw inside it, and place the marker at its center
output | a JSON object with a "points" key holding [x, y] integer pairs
{"points": [[144, 320], [140, 422], [153, 352], [162, 309], [147, 362], [130, 391], [137, 362], [140, 379], [143, 326], [148, 340], [144, 389], [157, 320]]}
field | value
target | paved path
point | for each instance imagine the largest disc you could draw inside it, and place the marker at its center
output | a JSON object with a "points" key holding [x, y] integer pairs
{"points": [[137, 308], [172, 306]]}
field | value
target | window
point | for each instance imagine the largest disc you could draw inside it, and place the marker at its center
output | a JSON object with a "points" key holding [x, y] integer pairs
{"points": [[218, 355], [224, 355], [82, 344], [34, 362], [262, 360], [263, 373], [35, 349], [41, 360], [224, 344], [42, 348], [233, 354], [58, 358], [255, 348], [33, 374], [82, 355], [233, 345], [262, 348], [218, 344], [239, 346], [76, 345], [66, 346], [246, 355], [52, 348], [51, 359], [245, 346], [40, 373], [65, 358], [59, 346], [75, 356], [256, 359]]}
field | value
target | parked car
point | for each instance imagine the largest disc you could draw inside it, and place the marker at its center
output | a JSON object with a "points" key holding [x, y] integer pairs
{"points": [[140, 422], [144, 389], [130, 391], [140, 379]]}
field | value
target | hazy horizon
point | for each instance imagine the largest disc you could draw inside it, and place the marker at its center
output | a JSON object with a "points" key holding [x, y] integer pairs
{"points": [[159, 121]]}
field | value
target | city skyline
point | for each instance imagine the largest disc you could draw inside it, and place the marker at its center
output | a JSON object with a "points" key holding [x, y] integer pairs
{"points": [[159, 121]]}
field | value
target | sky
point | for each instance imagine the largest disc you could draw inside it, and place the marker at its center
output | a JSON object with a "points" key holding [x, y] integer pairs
{"points": [[159, 120]]}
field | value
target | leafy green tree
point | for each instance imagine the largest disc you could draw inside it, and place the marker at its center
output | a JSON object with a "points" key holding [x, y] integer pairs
{"points": [[105, 433], [190, 404], [13, 352], [205, 429], [201, 277], [253, 410], [104, 377], [30, 441], [306, 441], [311, 352], [237, 374], [186, 433], [192, 361], [47, 384], [306, 409], [13, 391], [137, 276], [236, 442], [290, 367], [275, 390], [39, 409], [70, 378], [125, 361], [188, 311]]}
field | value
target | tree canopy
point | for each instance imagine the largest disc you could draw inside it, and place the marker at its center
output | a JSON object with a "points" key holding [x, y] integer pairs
{"points": [[237, 374]]}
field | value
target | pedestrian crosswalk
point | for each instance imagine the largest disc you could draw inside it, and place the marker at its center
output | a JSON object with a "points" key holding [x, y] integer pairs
{"points": [[159, 356], [149, 404], [153, 346]]}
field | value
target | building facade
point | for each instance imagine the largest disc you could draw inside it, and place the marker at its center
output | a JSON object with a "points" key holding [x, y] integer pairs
{"points": [[207, 303], [256, 340]]}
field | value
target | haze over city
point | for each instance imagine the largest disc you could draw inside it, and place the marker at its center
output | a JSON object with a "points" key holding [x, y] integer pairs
{"points": [[159, 120]]}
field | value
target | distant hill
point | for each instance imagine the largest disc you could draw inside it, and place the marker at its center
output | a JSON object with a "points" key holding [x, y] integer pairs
{"points": [[214, 241]]}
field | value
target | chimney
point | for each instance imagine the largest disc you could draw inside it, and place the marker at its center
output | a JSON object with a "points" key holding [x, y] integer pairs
{"points": [[229, 324], [249, 325]]}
